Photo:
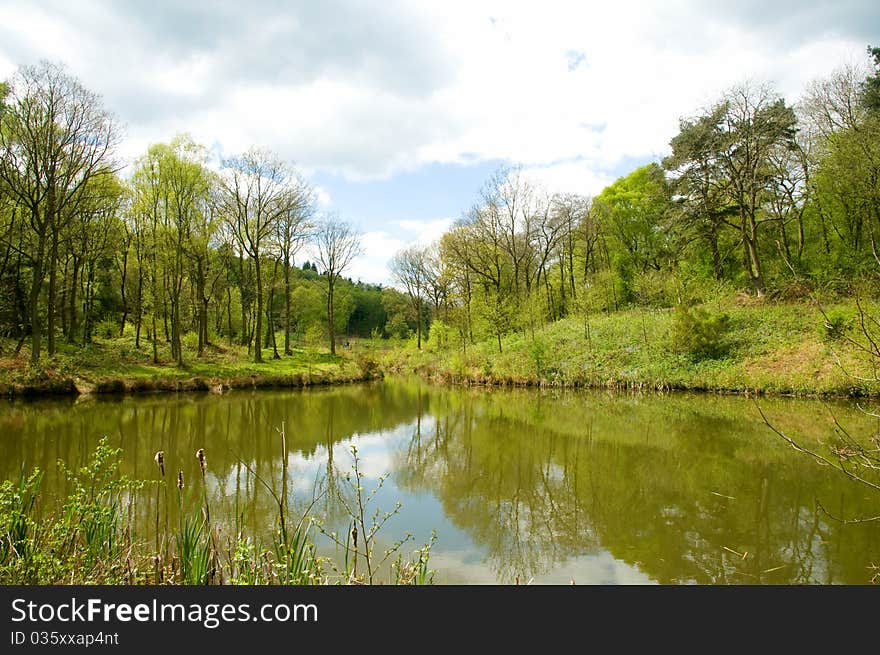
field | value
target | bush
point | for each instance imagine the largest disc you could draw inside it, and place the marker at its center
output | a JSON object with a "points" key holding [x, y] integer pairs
{"points": [[107, 329], [538, 351], [315, 335], [190, 340], [656, 288], [396, 326], [439, 335], [368, 365], [699, 334]]}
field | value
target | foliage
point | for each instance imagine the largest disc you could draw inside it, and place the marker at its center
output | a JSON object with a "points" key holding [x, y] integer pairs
{"points": [[700, 334]]}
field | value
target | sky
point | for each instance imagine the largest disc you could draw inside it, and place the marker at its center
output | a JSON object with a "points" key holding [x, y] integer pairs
{"points": [[398, 111]]}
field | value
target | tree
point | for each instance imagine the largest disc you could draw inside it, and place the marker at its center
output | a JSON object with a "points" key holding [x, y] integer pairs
{"points": [[409, 268], [844, 162], [337, 244], [572, 211], [293, 230], [635, 209], [256, 191], [871, 86], [756, 123], [698, 184], [55, 137]]}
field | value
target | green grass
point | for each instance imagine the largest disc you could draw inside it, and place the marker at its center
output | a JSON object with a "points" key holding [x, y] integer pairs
{"points": [[116, 365], [768, 348]]}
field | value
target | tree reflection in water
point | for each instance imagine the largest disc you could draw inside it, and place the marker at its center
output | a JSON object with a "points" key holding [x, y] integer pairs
{"points": [[520, 484]]}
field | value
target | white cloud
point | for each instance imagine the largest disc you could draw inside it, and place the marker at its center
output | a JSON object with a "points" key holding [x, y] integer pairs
{"points": [[571, 90], [371, 266], [322, 196], [550, 85], [577, 176], [425, 231]]}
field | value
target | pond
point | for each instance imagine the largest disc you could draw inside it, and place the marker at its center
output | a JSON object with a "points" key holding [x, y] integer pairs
{"points": [[520, 485]]}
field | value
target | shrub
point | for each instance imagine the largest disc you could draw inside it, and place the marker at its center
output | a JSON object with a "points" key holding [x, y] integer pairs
{"points": [[439, 335], [315, 335], [655, 288], [538, 351], [368, 365], [699, 334], [107, 329], [190, 340]]}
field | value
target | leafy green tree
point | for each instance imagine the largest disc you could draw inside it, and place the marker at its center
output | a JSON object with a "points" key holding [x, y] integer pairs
{"points": [[55, 137], [636, 209], [698, 185]]}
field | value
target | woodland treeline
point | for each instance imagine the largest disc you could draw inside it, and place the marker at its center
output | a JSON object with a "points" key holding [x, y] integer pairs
{"points": [[778, 200], [757, 195], [173, 250]]}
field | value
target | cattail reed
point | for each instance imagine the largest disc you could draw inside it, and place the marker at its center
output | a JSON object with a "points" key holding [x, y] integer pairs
{"points": [[180, 480], [354, 539], [159, 458], [203, 464]]}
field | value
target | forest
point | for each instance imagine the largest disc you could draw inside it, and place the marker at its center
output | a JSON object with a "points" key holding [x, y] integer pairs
{"points": [[757, 196], [171, 251], [759, 199]]}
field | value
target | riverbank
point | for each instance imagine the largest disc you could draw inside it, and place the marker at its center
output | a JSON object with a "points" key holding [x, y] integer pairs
{"points": [[764, 348], [114, 365], [759, 347]]}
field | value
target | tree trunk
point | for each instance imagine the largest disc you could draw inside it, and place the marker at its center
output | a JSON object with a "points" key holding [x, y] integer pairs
{"points": [[62, 301], [419, 323], [330, 325], [53, 289], [203, 307], [717, 264], [176, 345], [74, 310], [229, 313], [34, 308], [752, 258], [287, 350], [165, 319], [139, 309], [155, 338], [204, 321], [87, 305], [258, 349], [269, 313], [122, 291]]}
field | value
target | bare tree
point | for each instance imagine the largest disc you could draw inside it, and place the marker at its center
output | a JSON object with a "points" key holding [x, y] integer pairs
{"points": [[55, 137], [409, 268], [438, 279], [256, 192], [573, 211], [294, 228], [337, 243]]}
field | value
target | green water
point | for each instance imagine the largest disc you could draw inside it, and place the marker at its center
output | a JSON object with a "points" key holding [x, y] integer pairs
{"points": [[520, 485]]}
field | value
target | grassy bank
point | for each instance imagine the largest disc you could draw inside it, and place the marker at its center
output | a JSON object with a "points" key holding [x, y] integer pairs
{"points": [[114, 365], [781, 348]]}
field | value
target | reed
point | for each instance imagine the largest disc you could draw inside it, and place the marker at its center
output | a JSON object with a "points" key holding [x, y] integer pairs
{"points": [[91, 537]]}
